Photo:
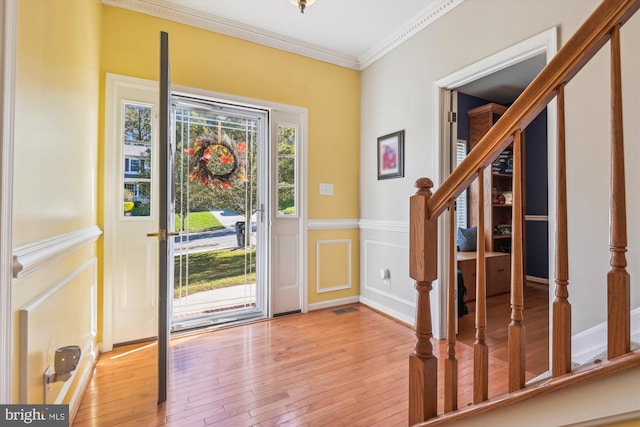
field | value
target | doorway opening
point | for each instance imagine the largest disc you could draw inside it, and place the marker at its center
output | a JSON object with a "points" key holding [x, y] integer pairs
{"points": [[220, 208], [498, 79], [274, 235]]}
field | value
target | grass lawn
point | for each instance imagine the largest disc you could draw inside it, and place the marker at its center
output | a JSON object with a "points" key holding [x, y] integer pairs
{"points": [[196, 222], [215, 270]]}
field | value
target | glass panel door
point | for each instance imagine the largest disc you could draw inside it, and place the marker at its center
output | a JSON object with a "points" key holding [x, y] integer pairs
{"points": [[219, 215]]}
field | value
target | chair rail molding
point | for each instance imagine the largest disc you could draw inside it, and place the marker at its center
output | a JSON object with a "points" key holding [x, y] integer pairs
{"points": [[384, 225], [332, 224], [34, 256]]}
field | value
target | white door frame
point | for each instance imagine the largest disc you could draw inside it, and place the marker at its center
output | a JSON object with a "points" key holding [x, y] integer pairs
{"points": [[302, 175], [543, 43], [8, 42], [107, 332]]}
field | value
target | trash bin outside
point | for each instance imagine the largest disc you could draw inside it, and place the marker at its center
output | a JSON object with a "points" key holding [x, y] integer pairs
{"points": [[240, 233]]}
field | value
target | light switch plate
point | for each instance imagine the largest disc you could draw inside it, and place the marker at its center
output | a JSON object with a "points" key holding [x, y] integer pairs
{"points": [[326, 189]]}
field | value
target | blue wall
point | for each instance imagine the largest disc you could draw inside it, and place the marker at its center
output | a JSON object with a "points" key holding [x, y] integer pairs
{"points": [[536, 183], [536, 197]]}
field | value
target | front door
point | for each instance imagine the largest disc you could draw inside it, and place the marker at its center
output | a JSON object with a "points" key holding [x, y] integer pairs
{"points": [[221, 213]]}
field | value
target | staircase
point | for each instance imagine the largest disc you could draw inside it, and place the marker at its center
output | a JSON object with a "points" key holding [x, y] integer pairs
{"points": [[427, 206]]}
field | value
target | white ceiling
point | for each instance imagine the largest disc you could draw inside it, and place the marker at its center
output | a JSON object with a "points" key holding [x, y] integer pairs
{"points": [[349, 33], [350, 27]]}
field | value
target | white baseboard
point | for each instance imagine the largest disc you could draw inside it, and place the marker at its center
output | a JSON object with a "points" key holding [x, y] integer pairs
{"points": [[85, 378], [537, 279], [333, 303], [409, 320], [587, 344]]}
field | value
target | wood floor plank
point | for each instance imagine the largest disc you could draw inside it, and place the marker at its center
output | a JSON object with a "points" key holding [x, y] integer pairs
{"points": [[313, 369]]}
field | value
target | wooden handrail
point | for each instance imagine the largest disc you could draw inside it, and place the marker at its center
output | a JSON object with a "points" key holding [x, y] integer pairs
{"points": [[578, 50]]}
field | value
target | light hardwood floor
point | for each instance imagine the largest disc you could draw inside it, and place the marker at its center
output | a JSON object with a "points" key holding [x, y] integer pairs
{"points": [[315, 369]]}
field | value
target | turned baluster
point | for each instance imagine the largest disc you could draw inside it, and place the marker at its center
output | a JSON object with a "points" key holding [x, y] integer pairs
{"points": [[561, 332], [423, 259], [618, 281], [480, 349], [451, 363], [516, 329]]}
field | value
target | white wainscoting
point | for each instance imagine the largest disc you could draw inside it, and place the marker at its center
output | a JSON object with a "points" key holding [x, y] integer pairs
{"points": [[387, 250], [48, 322], [374, 283], [395, 298]]}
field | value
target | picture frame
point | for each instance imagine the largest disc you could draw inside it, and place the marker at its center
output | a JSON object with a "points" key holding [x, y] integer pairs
{"points": [[391, 155]]}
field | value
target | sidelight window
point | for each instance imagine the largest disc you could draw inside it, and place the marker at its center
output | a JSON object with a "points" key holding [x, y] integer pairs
{"points": [[287, 197]]}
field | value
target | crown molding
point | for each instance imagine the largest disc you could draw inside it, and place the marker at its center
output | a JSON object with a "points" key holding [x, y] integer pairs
{"points": [[404, 33], [235, 29]]}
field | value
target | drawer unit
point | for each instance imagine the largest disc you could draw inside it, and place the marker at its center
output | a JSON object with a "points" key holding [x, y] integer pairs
{"points": [[498, 271]]}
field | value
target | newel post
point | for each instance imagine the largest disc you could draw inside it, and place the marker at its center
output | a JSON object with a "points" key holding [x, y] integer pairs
{"points": [[423, 365]]}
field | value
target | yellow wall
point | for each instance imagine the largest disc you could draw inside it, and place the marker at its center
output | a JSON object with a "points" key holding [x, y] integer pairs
{"points": [[56, 122], [205, 60], [56, 146]]}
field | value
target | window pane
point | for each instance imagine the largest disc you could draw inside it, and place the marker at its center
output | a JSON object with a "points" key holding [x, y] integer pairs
{"points": [[286, 170], [137, 123], [286, 200], [287, 138], [136, 198], [136, 158]]}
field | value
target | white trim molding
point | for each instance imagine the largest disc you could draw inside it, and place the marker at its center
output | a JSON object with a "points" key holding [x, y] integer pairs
{"points": [[216, 24], [34, 256], [587, 344], [384, 225], [332, 224], [408, 320], [8, 40], [535, 279], [365, 274], [333, 303], [88, 349], [404, 33], [319, 269]]}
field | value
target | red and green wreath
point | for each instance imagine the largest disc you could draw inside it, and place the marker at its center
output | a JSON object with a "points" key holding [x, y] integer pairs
{"points": [[216, 164]]}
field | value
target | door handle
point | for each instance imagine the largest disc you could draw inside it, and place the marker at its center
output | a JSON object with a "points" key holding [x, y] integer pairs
{"points": [[162, 234]]}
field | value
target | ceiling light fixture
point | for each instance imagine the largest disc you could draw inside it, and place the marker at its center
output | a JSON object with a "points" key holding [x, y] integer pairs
{"points": [[302, 4]]}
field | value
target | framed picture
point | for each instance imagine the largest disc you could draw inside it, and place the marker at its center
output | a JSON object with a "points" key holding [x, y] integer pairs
{"points": [[391, 155]]}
